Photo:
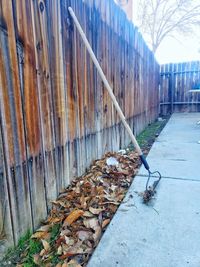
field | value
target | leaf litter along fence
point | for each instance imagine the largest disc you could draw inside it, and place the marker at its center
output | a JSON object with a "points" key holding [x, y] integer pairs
{"points": [[56, 116], [177, 79]]}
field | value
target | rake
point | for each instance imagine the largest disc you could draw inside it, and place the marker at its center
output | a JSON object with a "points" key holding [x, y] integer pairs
{"points": [[150, 190]]}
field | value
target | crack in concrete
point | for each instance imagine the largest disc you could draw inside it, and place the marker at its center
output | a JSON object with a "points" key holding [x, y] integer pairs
{"points": [[169, 177]]}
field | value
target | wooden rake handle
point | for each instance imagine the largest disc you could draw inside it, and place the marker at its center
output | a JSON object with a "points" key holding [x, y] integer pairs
{"points": [[108, 87]]}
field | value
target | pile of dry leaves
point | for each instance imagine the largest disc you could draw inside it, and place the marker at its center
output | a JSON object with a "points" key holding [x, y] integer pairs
{"points": [[83, 211]]}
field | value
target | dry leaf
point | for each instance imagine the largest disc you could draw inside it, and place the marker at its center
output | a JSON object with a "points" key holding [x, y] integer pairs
{"points": [[59, 202], [73, 263], [83, 202], [113, 187], [84, 235], [113, 208], [88, 214], [111, 202], [77, 189], [42, 252], [65, 232], [91, 223], [60, 240], [97, 234], [65, 248], [40, 235], [120, 171], [37, 259], [73, 216], [55, 220], [44, 228], [69, 241], [95, 211], [45, 244], [59, 250], [105, 223], [73, 250]]}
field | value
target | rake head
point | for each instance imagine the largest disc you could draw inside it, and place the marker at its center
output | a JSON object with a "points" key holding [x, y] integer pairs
{"points": [[151, 190]]}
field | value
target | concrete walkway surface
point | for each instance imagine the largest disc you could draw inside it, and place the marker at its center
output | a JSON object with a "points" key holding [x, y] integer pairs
{"points": [[166, 233]]}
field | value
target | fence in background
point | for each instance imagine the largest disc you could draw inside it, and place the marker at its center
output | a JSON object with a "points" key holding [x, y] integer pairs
{"points": [[56, 116], [176, 82]]}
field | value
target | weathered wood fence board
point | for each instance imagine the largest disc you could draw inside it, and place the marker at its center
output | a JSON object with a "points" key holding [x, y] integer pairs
{"points": [[176, 81], [56, 116]]}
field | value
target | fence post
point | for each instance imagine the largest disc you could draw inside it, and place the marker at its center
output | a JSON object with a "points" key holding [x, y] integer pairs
{"points": [[172, 85]]}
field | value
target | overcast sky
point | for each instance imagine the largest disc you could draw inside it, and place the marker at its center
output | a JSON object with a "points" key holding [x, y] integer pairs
{"points": [[182, 49]]}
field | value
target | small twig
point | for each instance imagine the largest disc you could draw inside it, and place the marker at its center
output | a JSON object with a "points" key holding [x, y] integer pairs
{"points": [[155, 210], [123, 210], [131, 205], [129, 197], [110, 202]]}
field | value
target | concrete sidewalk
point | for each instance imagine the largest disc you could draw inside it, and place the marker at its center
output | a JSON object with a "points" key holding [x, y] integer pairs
{"points": [[167, 232]]}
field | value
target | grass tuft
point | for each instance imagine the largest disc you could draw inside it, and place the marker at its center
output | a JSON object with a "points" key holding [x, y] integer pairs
{"points": [[147, 137]]}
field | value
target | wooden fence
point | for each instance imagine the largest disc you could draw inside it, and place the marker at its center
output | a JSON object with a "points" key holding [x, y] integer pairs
{"points": [[176, 82], [56, 116]]}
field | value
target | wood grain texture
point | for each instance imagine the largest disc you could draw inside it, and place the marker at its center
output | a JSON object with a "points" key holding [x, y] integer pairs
{"points": [[56, 115]]}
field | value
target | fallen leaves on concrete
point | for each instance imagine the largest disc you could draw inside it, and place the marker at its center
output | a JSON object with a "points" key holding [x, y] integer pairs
{"points": [[83, 211]]}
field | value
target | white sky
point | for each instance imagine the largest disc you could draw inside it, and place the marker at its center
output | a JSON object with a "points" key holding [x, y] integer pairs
{"points": [[181, 50]]}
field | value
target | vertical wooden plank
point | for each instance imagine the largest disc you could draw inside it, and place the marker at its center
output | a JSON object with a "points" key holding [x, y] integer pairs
{"points": [[176, 85], [36, 169], [70, 91], [172, 87], [40, 38], [98, 91], [59, 76], [13, 121], [198, 82], [7, 236]]}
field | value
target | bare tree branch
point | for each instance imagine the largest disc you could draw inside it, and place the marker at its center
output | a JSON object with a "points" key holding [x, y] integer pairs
{"points": [[161, 18]]}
